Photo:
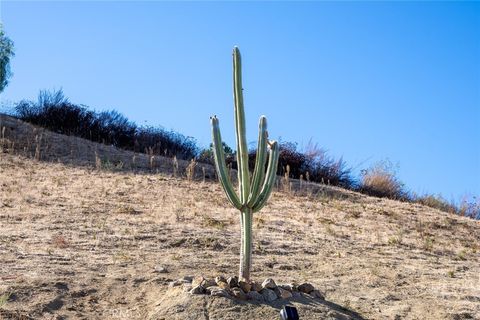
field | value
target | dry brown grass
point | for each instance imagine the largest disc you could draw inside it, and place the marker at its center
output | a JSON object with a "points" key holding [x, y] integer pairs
{"points": [[102, 233], [381, 181], [75, 239]]}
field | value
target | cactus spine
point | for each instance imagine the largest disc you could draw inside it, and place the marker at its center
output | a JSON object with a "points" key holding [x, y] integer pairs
{"points": [[253, 193]]}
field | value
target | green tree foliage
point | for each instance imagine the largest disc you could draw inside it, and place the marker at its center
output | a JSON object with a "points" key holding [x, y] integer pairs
{"points": [[6, 53]]}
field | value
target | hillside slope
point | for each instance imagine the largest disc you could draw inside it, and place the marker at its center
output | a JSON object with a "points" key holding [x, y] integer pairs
{"points": [[82, 243]]}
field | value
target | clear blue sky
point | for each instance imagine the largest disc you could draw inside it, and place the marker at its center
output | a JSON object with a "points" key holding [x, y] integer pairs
{"points": [[367, 81]]}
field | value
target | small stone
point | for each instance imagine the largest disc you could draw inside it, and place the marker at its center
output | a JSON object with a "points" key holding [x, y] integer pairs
{"points": [[176, 283], [197, 290], [161, 269], [255, 296], [306, 287], [233, 282], [290, 287], [245, 286], [284, 267], [223, 285], [208, 283], [282, 293], [269, 284], [334, 315], [239, 294], [197, 281], [218, 292], [268, 294], [317, 294], [188, 278], [210, 289], [220, 279], [255, 286]]}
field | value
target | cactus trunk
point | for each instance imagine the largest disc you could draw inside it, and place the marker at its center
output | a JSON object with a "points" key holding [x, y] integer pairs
{"points": [[252, 194], [246, 216]]}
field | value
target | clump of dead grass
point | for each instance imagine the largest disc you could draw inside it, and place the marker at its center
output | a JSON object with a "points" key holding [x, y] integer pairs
{"points": [[127, 209], [381, 181], [214, 223]]}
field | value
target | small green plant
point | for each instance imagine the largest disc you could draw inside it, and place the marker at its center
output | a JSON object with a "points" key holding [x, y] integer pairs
{"points": [[121, 256], [397, 239], [462, 255], [255, 192], [428, 243], [392, 241], [176, 257], [4, 298]]}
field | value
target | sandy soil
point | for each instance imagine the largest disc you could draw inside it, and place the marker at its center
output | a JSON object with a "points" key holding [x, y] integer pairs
{"points": [[83, 243]]}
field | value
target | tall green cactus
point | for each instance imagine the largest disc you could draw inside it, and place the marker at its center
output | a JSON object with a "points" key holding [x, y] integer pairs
{"points": [[255, 192]]}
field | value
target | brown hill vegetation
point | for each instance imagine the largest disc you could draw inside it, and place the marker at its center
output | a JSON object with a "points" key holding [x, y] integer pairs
{"points": [[84, 227]]}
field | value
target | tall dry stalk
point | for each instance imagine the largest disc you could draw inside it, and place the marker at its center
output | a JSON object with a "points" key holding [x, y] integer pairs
{"points": [[38, 141], [98, 161], [175, 166], [190, 170], [287, 185], [152, 162]]}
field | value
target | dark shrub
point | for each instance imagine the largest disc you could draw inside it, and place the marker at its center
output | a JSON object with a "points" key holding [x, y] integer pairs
{"points": [[168, 143], [296, 160], [54, 112], [206, 155], [320, 167], [323, 168], [115, 129], [288, 156]]}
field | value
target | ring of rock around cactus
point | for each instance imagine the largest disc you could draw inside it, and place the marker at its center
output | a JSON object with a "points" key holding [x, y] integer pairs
{"points": [[233, 288]]}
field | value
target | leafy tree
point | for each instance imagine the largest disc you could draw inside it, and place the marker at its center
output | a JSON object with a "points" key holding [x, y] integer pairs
{"points": [[6, 53]]}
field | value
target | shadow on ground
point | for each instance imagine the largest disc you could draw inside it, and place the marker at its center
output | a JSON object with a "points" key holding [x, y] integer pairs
{"points": [[176, 304]]}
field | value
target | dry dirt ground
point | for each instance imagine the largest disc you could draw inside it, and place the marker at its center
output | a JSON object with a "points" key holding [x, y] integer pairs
{"points": [[82, 243]]}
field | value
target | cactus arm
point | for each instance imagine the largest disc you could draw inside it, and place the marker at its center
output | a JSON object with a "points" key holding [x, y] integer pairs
{"points": [[242, 151], [270, 177], [223, 173], [260, 161]]}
